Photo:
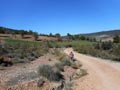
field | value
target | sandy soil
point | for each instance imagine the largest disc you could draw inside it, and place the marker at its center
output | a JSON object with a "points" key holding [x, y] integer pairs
{"points": [[15, 70], [102, 74]]}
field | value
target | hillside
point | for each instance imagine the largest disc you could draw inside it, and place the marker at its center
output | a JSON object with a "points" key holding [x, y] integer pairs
{"points": [[103, 34], [6, 33], [4, 30]]}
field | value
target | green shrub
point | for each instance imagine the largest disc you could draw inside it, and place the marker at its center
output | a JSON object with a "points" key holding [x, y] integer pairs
{"points": [[83, 72], [64, 62], [80, 73], [116, 58], [68, 46], [1, 59], [59, 66], [106, 45], [48, 72], [68, 86], [116, 50], [76, 65]]}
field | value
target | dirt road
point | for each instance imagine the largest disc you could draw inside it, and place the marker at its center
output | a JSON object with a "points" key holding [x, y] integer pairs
{"points": [[102, 74]]}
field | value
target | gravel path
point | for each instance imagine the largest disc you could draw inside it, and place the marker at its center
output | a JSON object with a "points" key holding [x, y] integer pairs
{"points": [[102, 74]]}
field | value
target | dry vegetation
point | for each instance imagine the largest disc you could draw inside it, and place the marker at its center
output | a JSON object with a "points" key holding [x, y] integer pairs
{"points": [[22, 51], [106, 50], [32, 69]]}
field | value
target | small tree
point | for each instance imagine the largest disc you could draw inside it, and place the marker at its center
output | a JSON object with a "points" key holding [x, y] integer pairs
{"points": [[87, 38], [82, 37], [1, 31], [94, 40], [22, 33], [30, 32], [69, 36], [35, 35], [50, 34], [76, 37], [58, 36], [106, 45], [116, 39]]}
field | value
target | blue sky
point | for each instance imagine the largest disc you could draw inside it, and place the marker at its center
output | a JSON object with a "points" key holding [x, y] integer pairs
{"points": [[60, 16]]}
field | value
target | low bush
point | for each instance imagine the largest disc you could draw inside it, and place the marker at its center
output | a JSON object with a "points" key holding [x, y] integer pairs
{"points": [[116, 50], [64, 62], [68, 86], [1, 59], [68, 46], [116, 58], [59, 66], [80, 73], [83, 72], [48, 72], [63, 86], [76, 65], [104, 45]]}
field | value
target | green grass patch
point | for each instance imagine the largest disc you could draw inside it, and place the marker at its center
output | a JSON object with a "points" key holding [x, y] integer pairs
{"points": [[67, 44], [16, 41]]}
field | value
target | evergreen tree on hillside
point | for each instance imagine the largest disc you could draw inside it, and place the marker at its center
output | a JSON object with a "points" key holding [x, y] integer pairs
{"points": [[58, 36], [50, 34], [116, 39], [76, 37], [22, 32], [69, 36], [35, 35], [30, 32], [82, 37], [1, 31]]}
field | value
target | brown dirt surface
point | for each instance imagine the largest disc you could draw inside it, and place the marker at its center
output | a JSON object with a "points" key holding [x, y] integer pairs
{"points": [[6, 73], [47, 38], [102, 74]]}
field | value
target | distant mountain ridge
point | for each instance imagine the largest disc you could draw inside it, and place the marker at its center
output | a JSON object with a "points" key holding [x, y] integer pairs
{"points": [[7, 30], [4, 30], [109, 33], [103, 35]]}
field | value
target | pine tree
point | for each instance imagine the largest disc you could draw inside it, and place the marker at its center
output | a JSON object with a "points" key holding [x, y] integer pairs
{"points": [[116, 39]]}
